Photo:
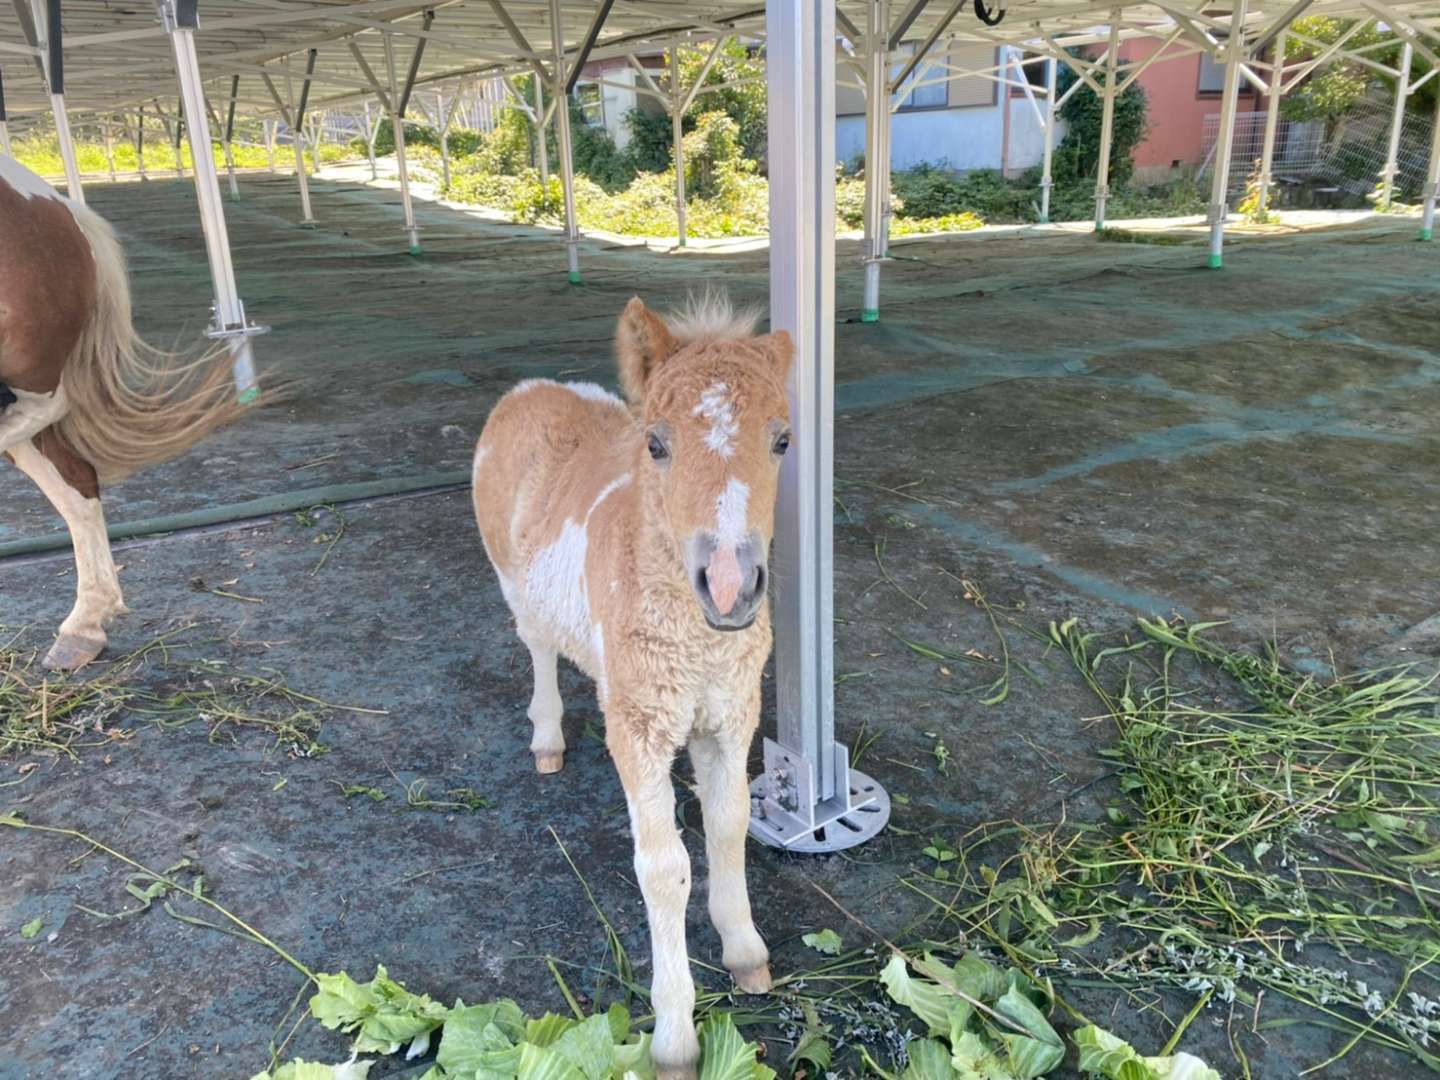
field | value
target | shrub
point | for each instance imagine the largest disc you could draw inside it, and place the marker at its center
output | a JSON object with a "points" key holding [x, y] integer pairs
{"points": [[596, 155], [415, 135], [1078, 155], [933, 191]]}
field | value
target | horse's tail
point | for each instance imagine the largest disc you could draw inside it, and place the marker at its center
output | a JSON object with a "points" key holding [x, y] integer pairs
{"points": [[133, 405]]}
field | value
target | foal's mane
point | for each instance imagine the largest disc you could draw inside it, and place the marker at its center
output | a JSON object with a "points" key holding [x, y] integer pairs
{"points": [[710, 316]]}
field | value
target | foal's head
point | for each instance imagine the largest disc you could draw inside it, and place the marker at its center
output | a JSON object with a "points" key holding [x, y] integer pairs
{"points": [[712, 398]]}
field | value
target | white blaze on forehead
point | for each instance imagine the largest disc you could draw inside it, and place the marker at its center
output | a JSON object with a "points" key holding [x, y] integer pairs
{"points": [[732, 514], [26, 182], [716, 406]]}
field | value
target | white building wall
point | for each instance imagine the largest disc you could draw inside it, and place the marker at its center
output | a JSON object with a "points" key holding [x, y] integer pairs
{"points": [[967, 138], [618, 102], [1027, 136]]}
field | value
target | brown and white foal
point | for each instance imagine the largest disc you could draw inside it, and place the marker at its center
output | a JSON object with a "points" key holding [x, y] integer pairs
{"points": [[82, 398], [632, 538]]}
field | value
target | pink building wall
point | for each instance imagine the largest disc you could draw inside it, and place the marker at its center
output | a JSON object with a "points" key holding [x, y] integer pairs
{"points": [[1177, 111]]}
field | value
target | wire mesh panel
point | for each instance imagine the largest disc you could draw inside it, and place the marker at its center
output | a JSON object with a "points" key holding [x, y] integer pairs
{"points": [[1350, 158]]}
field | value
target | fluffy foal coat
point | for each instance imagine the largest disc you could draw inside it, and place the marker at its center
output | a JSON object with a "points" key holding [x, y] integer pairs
{"points": [[82, 398], [631, 538]]}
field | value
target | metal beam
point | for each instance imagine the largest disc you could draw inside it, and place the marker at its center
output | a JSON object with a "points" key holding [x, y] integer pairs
{"points": [[928, 44], [310, 59], [404, 102], [907, 20], [596, 25]]}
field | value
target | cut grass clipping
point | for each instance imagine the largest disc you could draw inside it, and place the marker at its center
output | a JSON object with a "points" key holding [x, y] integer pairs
{"points": [[49, 713], [1283, 842]]}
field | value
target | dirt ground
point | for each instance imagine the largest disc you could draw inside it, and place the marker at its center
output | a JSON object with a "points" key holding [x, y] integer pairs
{"points": [[1084, 429]]}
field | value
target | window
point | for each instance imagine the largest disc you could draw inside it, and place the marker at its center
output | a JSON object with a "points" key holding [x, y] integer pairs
{"points": [[1212, 75], [592, 105], [932, 96]]}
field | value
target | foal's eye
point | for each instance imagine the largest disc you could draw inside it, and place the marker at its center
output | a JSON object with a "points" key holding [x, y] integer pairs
{"points": [[657, 449], [782, 443]]}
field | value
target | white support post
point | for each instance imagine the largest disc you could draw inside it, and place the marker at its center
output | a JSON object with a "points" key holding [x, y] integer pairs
{"points": [[877, 154], [140, 142], [442, 121], [5, 138], [230, 324], [1272, 124], [397, 123], [562, 140], [1052, 116], [808, 798], [47, 25], [1107, 119], [677, 136], [109, 148], [297, 144], [1432, 179], [317, 135], [542, 150], [370, 132], [267, 134], [1397, 124], [1225, 144]]}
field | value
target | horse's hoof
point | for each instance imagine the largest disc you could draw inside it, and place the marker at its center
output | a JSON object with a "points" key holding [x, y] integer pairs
{"points": [[754, 980], [549, 761], [71, 651]]}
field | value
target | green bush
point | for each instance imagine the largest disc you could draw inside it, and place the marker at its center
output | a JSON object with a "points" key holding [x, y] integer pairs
{"points": [[596, 155], [933, 191], [1078, 155], [650, 138], [415, 135]]}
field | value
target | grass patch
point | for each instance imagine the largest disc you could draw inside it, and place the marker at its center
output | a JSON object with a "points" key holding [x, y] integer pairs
{"points": [[1282, 838], [1112, 235], [61, 714]]}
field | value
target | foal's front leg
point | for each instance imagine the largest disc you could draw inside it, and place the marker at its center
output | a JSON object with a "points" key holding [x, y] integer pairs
{"points": [[663, 868], [719, 760], [70, 484]]}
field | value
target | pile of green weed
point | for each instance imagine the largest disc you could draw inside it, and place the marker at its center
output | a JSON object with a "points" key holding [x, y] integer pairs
{"points": [[1282, 842]]}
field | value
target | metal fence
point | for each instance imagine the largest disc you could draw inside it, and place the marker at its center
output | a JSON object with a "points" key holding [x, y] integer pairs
{"points": [[1351, 159]]}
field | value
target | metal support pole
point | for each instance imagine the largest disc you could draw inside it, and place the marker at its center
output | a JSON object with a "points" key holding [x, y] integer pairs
{"points": [[230, 325], [317, 135], [54, 64], [4, 124], [297, 144], [397, 122], [370, 133], [108, 136], [1272, 123], [1220, 185], [677, 135], [1397, 123], [808, 798], [877, 156], [267, 134], [230, 135], [542, 151], [443, 121], [1107, 119], [140, 141], [562, 140], [178, 131], [1432, 179], [1052, 115]]}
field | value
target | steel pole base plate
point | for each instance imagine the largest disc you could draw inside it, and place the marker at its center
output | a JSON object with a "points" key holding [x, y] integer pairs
{"points": [[784, 815]]}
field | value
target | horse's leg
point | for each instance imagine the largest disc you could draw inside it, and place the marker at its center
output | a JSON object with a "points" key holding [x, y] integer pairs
{"points": [[546, 710], [662, 867], [29, 414], [71, 486], [719, 761]]}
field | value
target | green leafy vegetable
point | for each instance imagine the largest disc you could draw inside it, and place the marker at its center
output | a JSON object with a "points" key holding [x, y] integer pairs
{"points": [[31, 928], [825, 941]]}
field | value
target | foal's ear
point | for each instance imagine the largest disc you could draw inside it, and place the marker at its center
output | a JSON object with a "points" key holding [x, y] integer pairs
{"points": [[780, 351], [642, 343]]}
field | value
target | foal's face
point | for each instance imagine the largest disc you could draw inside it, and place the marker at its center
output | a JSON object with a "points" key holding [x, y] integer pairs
{"points": [[717, 426]]}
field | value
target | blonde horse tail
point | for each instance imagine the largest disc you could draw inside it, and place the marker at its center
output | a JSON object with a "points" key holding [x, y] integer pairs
{"points": [[132, 405]]}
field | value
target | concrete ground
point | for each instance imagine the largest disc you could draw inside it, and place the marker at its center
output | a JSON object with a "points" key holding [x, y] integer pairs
{"points": [[1081, 428]]}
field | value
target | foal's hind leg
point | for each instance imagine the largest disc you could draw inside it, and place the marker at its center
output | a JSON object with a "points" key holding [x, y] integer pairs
{"points": [[546, 709], [70, 484]]}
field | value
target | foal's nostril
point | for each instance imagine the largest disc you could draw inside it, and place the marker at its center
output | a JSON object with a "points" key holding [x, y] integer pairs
{"points": [[702, 582], [757, 588]]}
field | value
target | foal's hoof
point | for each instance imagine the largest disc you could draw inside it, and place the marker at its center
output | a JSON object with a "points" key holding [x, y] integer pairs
{"points": [[549, 761], [754, 980], [72, 651]]}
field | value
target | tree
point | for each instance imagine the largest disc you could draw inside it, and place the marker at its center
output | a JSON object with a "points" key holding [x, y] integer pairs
{"points": [[1334, 90], [1078, 155]]}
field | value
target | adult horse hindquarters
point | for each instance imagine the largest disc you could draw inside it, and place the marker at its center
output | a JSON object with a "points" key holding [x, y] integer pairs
{"points": [[82, 398], [633, 540]]}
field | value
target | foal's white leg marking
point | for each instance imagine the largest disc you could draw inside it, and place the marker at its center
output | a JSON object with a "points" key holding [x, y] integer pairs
{"points": [[98, 598], [662, 867], [719, 762], [546, 710], [29, 415]]}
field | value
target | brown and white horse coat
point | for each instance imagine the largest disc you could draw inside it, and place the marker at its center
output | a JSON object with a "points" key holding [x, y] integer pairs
{"points": [[82, 398], [632, 539]]}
